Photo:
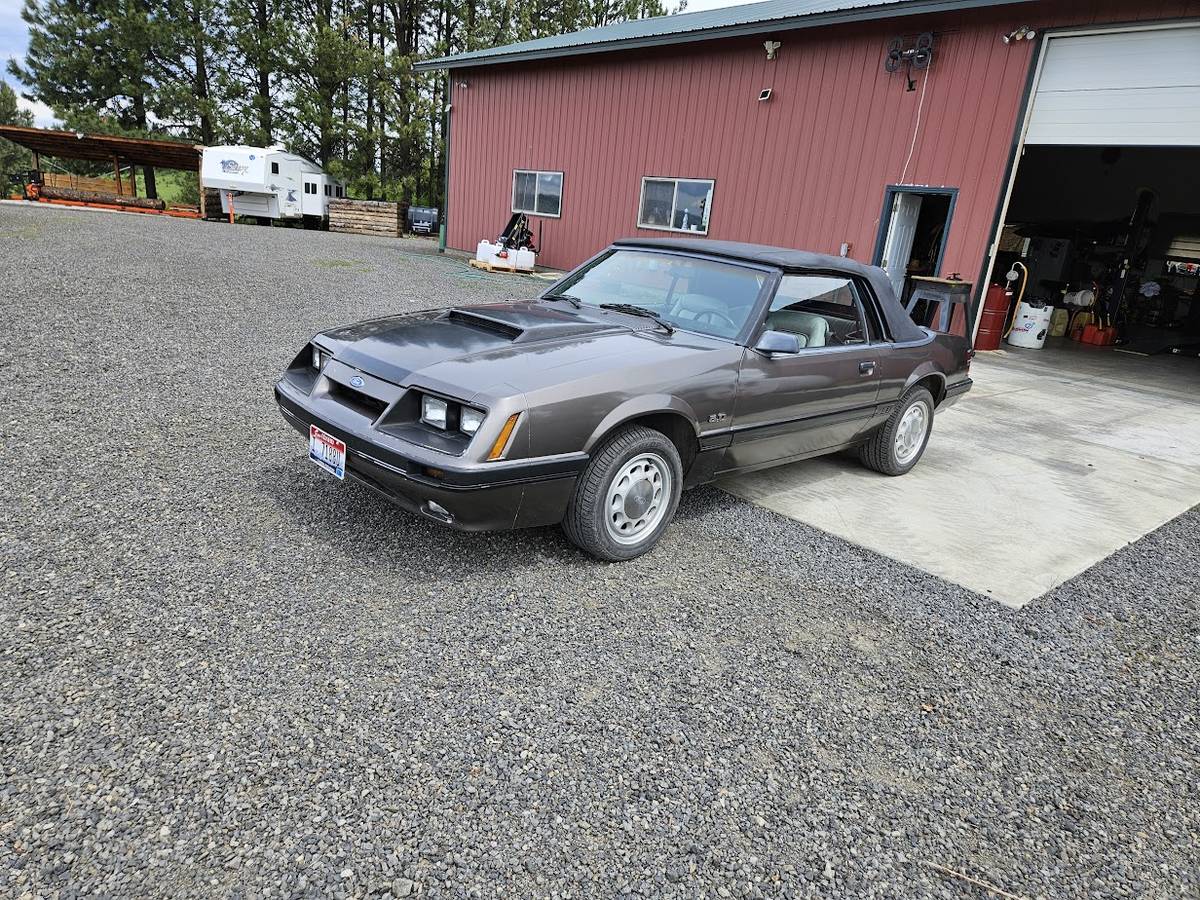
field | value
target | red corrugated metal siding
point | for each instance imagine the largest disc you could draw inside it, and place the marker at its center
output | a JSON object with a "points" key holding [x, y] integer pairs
{"points": [[806, 169]]}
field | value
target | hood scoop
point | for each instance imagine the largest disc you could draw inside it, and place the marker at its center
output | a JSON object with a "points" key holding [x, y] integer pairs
{"points": [[525, 323], [488, 323]]}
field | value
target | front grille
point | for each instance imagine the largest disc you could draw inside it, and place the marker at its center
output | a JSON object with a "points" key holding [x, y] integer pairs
{"points": [[361, 403]]}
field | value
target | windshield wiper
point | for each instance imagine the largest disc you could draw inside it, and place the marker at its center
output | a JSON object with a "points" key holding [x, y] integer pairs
{"points": [[574, 301], [632, 310]]}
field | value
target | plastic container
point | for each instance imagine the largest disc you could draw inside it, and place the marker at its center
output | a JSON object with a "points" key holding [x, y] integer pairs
{"points": [[523, 260], [486, 251], [1031, 327], [1058, 322]]}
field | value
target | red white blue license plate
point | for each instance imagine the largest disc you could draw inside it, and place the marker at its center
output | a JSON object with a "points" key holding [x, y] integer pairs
{"points": [[327, 451]]}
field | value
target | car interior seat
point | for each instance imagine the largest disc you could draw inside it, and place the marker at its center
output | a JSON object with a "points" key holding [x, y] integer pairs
{"points": [[812, 330]]}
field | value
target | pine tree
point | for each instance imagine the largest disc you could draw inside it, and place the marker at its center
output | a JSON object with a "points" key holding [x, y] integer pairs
{"points": [[250, 39], [91, 62], [331, 79], [12, 158], [184, 56]]}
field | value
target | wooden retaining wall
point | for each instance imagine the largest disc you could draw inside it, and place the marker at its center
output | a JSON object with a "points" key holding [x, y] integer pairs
{"points": [[375, 217]]}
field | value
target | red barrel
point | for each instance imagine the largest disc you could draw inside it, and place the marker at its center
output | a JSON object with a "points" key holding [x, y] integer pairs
{"points": [[991, 320]]}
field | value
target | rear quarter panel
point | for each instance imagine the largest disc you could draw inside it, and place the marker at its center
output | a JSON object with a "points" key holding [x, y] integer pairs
{"points": [[902, 365]]}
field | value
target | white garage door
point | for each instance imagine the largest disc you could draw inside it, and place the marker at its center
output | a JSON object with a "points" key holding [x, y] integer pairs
{"points": [[1129, 88]]}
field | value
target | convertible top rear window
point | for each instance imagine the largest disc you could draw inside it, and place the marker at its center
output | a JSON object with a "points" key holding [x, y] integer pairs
{"points": [[700, 295]]}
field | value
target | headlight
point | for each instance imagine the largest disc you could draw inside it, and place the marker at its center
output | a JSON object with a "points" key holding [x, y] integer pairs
{"points": [[316, 357], [433, 411], [469, 420]]}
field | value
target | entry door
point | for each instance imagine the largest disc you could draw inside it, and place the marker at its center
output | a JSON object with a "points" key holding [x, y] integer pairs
{"points": [[798, 405], [823, 396], [289, 197], [902, 230]]}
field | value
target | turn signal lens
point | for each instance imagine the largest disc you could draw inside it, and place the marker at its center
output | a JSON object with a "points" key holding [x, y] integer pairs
{"points": [[505, 436]]}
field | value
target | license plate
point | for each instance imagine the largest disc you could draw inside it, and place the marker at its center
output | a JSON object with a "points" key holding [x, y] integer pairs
{"points": [[327, 451]]}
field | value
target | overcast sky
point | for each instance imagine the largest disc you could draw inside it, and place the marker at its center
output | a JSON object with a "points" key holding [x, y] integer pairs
{"points": [[14, 39]]}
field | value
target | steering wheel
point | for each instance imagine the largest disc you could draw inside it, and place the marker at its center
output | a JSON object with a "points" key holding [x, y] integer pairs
{"points": [[711, 315]]}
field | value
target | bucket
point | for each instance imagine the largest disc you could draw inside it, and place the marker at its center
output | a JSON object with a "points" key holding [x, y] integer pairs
{"points": [[1031, 326]]}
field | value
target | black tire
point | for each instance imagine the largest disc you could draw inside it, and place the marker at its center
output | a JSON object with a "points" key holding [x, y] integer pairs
{"points": [[880, 452], [586, 523]]}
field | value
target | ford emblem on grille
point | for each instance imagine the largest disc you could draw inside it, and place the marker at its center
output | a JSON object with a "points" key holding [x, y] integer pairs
{"points": [[357, 381]]}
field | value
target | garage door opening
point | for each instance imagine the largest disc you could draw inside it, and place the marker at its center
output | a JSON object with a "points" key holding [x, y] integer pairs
{"points": [[1101, 232], [1105, 244]]}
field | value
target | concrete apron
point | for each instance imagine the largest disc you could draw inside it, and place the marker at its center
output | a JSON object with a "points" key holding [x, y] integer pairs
{"points": [[1048, 466]]}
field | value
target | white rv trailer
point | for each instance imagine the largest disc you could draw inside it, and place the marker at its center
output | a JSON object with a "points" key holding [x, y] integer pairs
{"points": [[269, 183]]}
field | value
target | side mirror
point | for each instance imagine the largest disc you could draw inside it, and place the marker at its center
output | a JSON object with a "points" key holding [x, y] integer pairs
{"points": [[777, 342]]}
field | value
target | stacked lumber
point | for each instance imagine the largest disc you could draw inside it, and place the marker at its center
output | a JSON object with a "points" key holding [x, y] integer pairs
{"points": [[212, 204], [376, 217], [74, 195], [80, 182]]}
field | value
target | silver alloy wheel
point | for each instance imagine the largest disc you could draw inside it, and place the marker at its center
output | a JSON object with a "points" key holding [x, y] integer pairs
{"points": [[910, 433], [638, 497]]}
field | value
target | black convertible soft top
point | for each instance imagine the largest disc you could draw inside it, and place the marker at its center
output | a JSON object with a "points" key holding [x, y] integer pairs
{"points": [[900, 325]]}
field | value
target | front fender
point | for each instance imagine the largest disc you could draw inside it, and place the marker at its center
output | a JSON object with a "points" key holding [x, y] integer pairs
{"points": [[635, 408]]}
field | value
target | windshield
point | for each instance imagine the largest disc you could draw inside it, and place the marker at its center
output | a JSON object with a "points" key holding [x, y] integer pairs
{"points": [[693, 294]]}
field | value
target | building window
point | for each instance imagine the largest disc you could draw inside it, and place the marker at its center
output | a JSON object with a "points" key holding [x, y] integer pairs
{"points": [[676, 204], [326, 190], [537, 193], [274, 168]]}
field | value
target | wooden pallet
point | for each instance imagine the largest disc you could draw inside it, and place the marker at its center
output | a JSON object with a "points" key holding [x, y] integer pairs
{"points": [[492, 267]]}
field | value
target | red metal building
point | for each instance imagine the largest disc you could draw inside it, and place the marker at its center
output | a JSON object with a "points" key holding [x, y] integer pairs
{"points": [[815, 165]]}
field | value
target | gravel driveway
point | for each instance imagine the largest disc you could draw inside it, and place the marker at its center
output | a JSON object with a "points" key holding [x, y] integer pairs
{"points": [[225, 674]]}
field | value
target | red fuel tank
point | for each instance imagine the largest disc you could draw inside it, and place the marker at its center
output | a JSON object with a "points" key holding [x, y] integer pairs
{"points": [[991, 321]]}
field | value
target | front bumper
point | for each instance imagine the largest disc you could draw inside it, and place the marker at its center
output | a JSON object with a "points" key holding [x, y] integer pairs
{"points": [[491, 497]]}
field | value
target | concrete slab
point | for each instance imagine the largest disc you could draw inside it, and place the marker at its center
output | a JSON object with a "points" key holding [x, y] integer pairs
{"points": [[1055, 460]]}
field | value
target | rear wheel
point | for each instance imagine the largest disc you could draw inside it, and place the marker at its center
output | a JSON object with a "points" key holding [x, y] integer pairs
{"points": [[899, 444], [627, 495]]}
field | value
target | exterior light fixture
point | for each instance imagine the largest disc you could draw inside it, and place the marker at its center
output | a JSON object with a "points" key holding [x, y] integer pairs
{"points": [[772, 47], [1024, 33]]}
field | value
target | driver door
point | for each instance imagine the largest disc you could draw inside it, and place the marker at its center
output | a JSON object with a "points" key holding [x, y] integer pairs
{"points": [[823, 396]]}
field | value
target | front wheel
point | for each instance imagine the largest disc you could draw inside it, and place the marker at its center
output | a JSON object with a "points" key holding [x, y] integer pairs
{"points": [[627, 495], [899, 444]]}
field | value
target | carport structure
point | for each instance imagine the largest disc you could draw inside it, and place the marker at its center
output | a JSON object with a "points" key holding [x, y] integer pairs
{"points": [[107, 148]]}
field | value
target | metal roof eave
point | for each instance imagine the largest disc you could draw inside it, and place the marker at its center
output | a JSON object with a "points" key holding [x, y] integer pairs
{"points": [[104, 147], [815, 20]]}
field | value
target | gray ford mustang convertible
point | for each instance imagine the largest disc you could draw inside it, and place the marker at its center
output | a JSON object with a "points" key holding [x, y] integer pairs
{"points": [[655, 366]]}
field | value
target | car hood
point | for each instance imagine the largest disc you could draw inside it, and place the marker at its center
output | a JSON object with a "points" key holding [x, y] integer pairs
{"points": [[521, 343]]}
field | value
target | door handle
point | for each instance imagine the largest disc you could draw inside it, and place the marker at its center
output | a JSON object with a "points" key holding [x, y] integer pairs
{"points": [[866, 368]]}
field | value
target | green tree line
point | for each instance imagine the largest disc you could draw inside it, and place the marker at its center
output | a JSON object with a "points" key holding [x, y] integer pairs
{"points": [[332, 80]]}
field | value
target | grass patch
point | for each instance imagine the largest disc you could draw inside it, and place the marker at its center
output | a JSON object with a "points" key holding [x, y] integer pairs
{"points": [[347, 265], [21, 231]]}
